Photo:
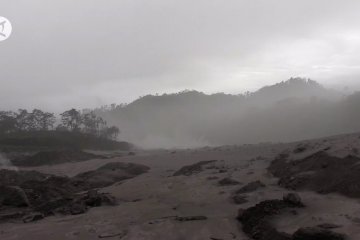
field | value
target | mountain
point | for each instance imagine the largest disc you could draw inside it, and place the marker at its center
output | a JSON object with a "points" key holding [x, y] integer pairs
{"points": [[299, 88], [291, 110]]}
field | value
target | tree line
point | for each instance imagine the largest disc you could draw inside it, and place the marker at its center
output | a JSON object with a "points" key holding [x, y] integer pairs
{"points": [[71, 120]]}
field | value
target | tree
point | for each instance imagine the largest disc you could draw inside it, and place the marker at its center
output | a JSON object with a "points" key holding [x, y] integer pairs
{"points": [[89, 121], [71, 119], [100, 126], [22, 120], [7, 121], [111, 132], [45, 120], [34, 121]]}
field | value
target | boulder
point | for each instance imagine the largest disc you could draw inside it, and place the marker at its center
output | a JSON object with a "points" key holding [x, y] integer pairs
{"points": [[50, 194], [256, 220], [192, 169], [77, 208], [228, 182], [32, 217], [95, 199], [53, 206], [319, 172], [13, 196], [119, 234], [293, 199], [10, 214], [251, 187], [311, 233], [111, 173], [239, 199]]}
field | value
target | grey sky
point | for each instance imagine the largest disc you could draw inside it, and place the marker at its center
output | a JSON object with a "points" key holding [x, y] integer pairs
{"points": [[87, 53]]}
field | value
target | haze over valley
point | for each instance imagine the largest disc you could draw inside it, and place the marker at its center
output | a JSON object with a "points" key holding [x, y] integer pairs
{"points": [[291, 110]]}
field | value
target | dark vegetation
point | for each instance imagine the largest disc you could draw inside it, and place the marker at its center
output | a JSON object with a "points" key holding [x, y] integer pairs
{"points": [[319, 172], [58, 140], [36, 129]]}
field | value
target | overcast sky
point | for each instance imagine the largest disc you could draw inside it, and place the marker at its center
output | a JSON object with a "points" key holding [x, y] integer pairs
{"points": [[87, 53]]}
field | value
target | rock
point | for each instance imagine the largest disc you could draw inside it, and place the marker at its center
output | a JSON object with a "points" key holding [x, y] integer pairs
{"points": [[192, 169], [241, 211], [110, 200], [95, 199], [239, 199], [300, 149], [251, 187], [256, 220], [312, 233], [32, 217], [111, 173], [319, 172], [50, 194], [293, 198], [212, 167], [17, 178], [52, 206], [13, 196], [328, 226], [77, 204], [212, 178], [77, 208], [6, 215], [190, 218], [228, 182], [119, 234]]}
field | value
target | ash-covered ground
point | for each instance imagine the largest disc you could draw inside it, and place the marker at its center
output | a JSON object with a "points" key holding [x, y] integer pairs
{"points": [[301, 190]]}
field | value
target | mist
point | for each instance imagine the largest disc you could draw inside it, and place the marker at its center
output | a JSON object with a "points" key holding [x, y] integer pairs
{"points": [[291, 110]]}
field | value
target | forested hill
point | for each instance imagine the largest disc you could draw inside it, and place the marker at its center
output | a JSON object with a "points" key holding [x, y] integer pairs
{"points": [[291, 110]]}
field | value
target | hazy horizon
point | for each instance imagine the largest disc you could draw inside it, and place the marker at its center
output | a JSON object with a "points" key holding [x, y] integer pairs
{"points": [[344, 89]]}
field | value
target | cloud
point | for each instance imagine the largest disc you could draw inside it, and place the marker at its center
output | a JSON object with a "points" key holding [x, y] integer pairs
{"points": [[66, 53]]}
